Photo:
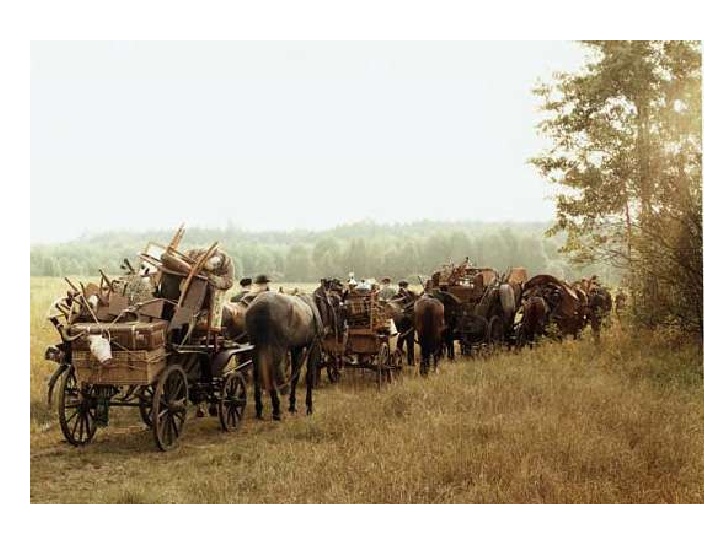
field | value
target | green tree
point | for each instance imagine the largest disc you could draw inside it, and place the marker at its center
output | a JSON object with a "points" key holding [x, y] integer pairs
{"points": [[627, 150]]}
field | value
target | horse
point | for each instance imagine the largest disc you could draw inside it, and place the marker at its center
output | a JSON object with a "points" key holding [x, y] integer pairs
{"points": [[533, 321], [453, 313], [402, 313], [233, 317], [328, 302], [278, 323], [498, 307], [429, 318], [598, 306]]}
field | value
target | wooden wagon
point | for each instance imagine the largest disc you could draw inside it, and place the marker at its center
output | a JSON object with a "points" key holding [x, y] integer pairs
{"points": [[149, 339], [366, 341], [484, 297], [468, 284]]}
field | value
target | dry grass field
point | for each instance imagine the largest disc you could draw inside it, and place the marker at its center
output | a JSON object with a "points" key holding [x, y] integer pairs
{"points": [[563, 423]]}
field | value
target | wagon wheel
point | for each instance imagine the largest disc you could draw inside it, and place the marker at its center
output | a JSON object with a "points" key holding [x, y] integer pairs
{"points": [[145, 404], [496, 333], [169, 407], [332, 369], [232, 402], [76, 412], [395, 362], [384, 373]]}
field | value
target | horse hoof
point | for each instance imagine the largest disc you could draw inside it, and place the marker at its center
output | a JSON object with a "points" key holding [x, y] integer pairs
{"points": [[292, 411], [309, 411], [276, 417], [259, 417]]}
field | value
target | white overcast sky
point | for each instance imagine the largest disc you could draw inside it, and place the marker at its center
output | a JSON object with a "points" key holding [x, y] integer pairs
{"points": [[284, 135]]}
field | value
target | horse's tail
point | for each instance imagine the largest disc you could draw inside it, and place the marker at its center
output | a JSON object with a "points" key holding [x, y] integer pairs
{"points": [[264, 362], [431, 322], [264, 335]]}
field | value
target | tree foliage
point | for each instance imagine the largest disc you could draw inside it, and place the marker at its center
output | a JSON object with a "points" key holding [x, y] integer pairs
{"points": [[370, 250], [626, 151]]}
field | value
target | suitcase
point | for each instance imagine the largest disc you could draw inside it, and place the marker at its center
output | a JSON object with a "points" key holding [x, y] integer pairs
{"points": [[123, 336]]}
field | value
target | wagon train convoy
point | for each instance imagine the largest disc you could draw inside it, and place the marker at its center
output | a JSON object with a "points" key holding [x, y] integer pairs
{"points": [[163, 338]]}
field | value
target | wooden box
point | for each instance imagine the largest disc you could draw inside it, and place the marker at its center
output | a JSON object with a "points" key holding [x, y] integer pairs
{"points": [[332, 345], [129, 336], [363, 342], [125, 367]]}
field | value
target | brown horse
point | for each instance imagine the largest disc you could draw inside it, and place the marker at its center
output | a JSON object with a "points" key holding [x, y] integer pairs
{"points": [[278, 323], [453, 313], [233, 318], [429, 318], [533, 321], [402, 313]]}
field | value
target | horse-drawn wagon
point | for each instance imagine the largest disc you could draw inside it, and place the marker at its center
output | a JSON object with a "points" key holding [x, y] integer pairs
{"points": [[366, 339], [151, 339], [487, 303]]}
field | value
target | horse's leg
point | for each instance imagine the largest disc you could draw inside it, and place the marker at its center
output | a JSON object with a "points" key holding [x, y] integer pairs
{"points": [[275, 399], [411, 348], [401, 339], [424, 358], [296, 355], [258, 394], [313, 361]]}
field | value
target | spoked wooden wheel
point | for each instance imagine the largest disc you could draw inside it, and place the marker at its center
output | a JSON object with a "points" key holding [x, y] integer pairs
{"points": [[496, 332], [332, 368], [384, 372], [146, 394], [76, 412], [395, 362], [232, 402], [169, 407]]}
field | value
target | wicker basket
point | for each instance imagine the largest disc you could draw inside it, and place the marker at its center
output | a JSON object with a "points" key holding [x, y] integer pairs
{"points": [[125, 367]]}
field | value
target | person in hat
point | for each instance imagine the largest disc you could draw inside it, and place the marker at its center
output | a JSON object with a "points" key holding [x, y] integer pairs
{"points": [[387, 291], [404, 293], [245, 285], [322, 291], [406, 325], [262, 283]]}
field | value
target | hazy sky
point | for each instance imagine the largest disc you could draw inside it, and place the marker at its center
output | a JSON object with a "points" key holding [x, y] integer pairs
{"points": [[284, 135]]}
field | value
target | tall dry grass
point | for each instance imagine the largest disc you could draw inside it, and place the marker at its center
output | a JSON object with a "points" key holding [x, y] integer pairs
{"points": [[563, 423]]}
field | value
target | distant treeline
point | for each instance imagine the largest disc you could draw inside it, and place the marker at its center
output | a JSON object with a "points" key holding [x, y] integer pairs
{"points": [[366, 248]]}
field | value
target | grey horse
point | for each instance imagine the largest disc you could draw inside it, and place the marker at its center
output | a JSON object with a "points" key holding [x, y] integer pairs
{"points": [[277, 323]]}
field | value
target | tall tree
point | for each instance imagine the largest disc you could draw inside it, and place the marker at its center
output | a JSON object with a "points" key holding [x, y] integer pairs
{"points": [[626, 149]]}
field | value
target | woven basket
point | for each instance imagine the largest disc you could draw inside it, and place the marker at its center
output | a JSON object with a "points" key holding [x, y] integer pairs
{"points": [[125, 367]]}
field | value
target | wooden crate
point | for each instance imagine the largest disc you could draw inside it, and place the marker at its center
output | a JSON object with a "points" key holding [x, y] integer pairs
{"points": [[125, 368], [464, 293], [363, 342], [332, 345], [132, 336]]}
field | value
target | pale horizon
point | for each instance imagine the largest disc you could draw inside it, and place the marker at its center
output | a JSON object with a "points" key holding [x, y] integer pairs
{"points": [[285, 136]]}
